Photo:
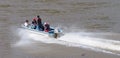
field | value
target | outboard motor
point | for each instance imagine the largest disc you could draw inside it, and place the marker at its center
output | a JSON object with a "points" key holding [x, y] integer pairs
{"points": [[55, 32]]}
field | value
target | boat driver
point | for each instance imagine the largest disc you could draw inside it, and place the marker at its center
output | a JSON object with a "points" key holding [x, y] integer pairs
{"points": [[46, 27]]}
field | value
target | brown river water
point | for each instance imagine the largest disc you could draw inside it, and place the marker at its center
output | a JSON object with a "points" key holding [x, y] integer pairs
{"points": [[92, 16]]}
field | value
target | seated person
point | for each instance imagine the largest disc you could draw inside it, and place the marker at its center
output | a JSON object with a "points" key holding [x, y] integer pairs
{"points": [[33, 25], [46, 27], [26, 24]]}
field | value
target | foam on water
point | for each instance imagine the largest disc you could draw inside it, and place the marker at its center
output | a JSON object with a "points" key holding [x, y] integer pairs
{"points": [[74, 40], [90, 41]]}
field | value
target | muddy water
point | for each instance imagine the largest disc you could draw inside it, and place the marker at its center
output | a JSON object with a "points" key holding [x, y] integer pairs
{"points": [[71, 15]]}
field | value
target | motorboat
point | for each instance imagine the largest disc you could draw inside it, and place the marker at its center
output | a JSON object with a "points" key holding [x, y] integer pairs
{"points": [[51, 33]]}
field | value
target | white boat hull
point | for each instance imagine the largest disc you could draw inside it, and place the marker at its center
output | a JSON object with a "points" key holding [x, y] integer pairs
{"points": [[42, 33]]}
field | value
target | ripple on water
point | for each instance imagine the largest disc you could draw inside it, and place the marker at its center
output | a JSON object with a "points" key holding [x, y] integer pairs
{"points": [[5, 6], [99, 22], [46, 1]]}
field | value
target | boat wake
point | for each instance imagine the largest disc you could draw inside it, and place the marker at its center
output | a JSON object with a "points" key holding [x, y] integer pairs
{"points": [[81, 39]]}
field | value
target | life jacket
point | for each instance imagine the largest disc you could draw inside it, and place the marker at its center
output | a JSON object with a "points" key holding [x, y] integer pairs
{"points": [[35, 19], [46, 30]]}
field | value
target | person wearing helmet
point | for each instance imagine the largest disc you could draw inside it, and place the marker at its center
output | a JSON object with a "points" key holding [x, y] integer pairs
{"points": [[46, 27]]}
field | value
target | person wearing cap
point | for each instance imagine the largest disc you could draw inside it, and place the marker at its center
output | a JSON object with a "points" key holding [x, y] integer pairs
{"points": [[46, 27]]}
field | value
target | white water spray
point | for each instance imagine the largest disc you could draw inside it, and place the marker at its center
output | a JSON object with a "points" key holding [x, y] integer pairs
{"points": [[93, 42], [75, 39]]}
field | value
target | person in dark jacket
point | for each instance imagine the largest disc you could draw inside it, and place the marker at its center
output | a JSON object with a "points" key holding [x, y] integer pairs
{"points": [[39, 22]]}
